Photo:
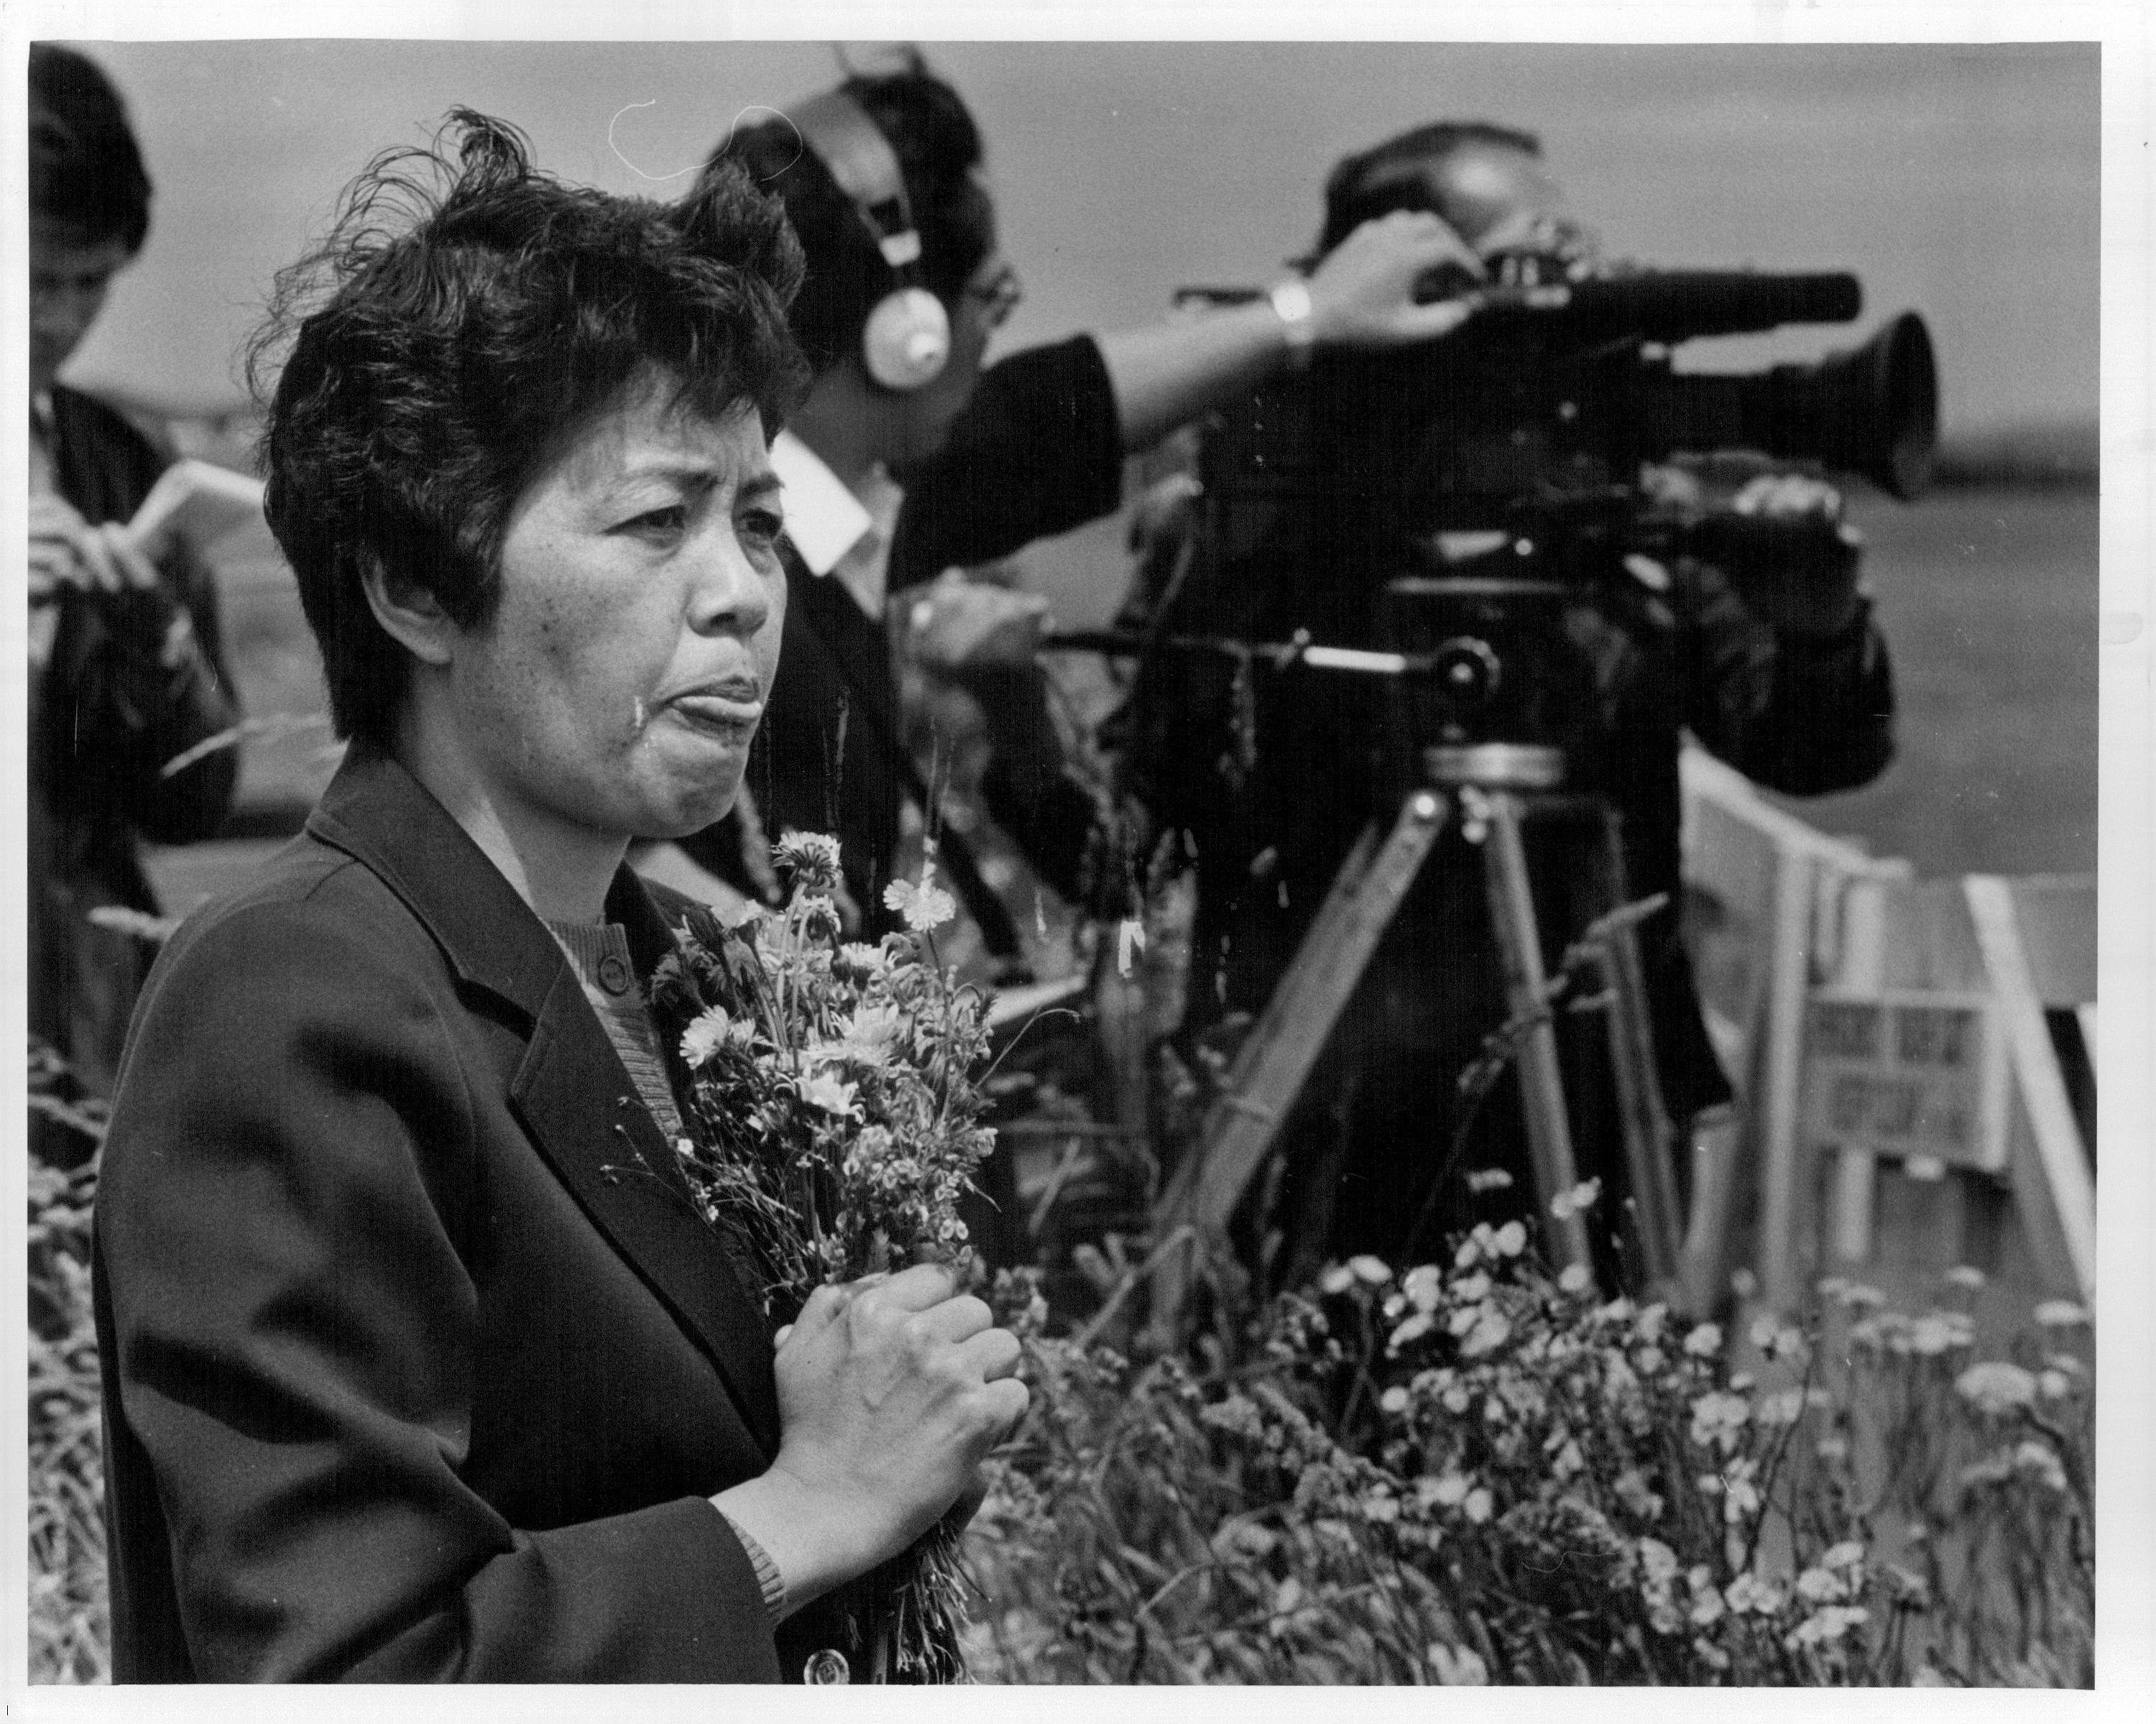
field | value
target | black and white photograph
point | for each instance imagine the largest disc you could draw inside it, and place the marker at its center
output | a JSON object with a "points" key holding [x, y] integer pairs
{"points": [[1022, 846]]}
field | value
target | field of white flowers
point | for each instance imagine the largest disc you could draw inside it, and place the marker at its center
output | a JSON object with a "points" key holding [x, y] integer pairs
{"points": [[1462, 1472], [1472, 1473]]}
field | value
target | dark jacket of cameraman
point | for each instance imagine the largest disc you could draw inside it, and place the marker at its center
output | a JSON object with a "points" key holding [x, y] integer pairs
{"points": [[1271, 775]]}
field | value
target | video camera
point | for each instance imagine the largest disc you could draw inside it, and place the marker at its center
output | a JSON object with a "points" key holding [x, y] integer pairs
{"points": [[1483, 480]]}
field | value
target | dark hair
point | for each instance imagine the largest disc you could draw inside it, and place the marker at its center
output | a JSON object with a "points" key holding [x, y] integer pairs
{"points": [[86, 173], [938, 149], [1391, 176], [458, 322]]}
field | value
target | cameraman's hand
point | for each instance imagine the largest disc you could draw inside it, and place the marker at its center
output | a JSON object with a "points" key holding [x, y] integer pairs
{"points": [[1788, 497], [1744, 483], [1817, 588], [892, 1390], [1362, 294], [968, 630]]}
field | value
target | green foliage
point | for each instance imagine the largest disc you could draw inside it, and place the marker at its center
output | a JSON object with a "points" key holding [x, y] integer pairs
{"points": [[1470, 1472], [834, 1126], [69, 1641], [832, 1111], [1480, 1473]]}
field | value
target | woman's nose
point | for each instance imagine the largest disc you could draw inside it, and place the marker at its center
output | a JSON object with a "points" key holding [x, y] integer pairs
{"points": [[732, 594]]}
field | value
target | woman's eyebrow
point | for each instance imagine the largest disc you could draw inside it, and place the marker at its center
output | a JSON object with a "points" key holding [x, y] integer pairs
{"points": [[692, 473], [686, 474]]}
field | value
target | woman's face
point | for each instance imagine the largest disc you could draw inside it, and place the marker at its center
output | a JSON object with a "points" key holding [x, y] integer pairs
{"points": [[616, 688]]}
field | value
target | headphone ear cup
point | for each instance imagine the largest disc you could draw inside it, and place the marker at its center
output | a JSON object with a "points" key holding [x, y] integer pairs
{"points": [[907, 342]]}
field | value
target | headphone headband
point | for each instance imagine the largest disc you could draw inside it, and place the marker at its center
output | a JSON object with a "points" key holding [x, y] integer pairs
{"points": [[906, 339], [860, 160]]}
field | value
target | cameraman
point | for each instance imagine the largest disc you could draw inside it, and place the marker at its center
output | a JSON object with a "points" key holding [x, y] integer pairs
{"points": [[1272, 778], [887, 486]]}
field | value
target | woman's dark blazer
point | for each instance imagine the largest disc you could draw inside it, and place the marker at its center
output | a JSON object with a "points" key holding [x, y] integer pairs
{"points": [[417, 1364]]}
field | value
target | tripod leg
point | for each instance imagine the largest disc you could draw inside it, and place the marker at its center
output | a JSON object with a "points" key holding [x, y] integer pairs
{"points": [[1656, 1212], [1704, 1264], [1526, 991], [1276, 1057], [1658, 1219]]}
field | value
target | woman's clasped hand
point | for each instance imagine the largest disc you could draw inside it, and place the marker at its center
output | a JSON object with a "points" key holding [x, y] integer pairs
{"points": [[891, 1391]]}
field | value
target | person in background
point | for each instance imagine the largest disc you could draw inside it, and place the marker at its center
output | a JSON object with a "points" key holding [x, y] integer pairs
{"points": [[126, 670], [901, 467], [1272, 782]]}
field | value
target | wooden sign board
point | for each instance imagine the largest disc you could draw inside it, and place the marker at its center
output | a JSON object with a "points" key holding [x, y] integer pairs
{"points": [[1906, 1074]]}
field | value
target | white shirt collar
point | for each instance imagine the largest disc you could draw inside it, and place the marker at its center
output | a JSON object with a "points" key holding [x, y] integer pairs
{"points": [[822, 518], [837, 532]]}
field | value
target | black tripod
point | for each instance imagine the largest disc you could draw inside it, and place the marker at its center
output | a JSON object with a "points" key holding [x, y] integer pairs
{"points": [[1493, 790]]}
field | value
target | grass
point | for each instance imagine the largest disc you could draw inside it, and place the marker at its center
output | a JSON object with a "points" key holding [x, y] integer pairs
{"points": [[1476, 1474], [1467, 1473], [69, 1641]]}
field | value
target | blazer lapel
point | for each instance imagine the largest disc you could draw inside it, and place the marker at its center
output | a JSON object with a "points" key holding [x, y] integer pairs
{"points": [[571, 1090], [582, 1112]]}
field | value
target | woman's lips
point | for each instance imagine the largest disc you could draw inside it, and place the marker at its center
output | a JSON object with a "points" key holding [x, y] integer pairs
{"points": [[733, 705]]}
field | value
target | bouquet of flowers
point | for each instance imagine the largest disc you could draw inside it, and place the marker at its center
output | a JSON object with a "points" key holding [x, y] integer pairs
{"points": [[833, 1125]]}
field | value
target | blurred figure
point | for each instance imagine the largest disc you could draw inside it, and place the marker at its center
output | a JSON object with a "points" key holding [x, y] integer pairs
{"points": [[910, 458], [1272, 778], [126, 668]]}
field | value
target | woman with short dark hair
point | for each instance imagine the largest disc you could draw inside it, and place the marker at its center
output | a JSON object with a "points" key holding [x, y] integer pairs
{"points": [[419, 1363]]}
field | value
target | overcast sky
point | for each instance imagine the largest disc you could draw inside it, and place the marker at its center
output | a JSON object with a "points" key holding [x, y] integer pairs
{"points": [[1959, 180]]}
